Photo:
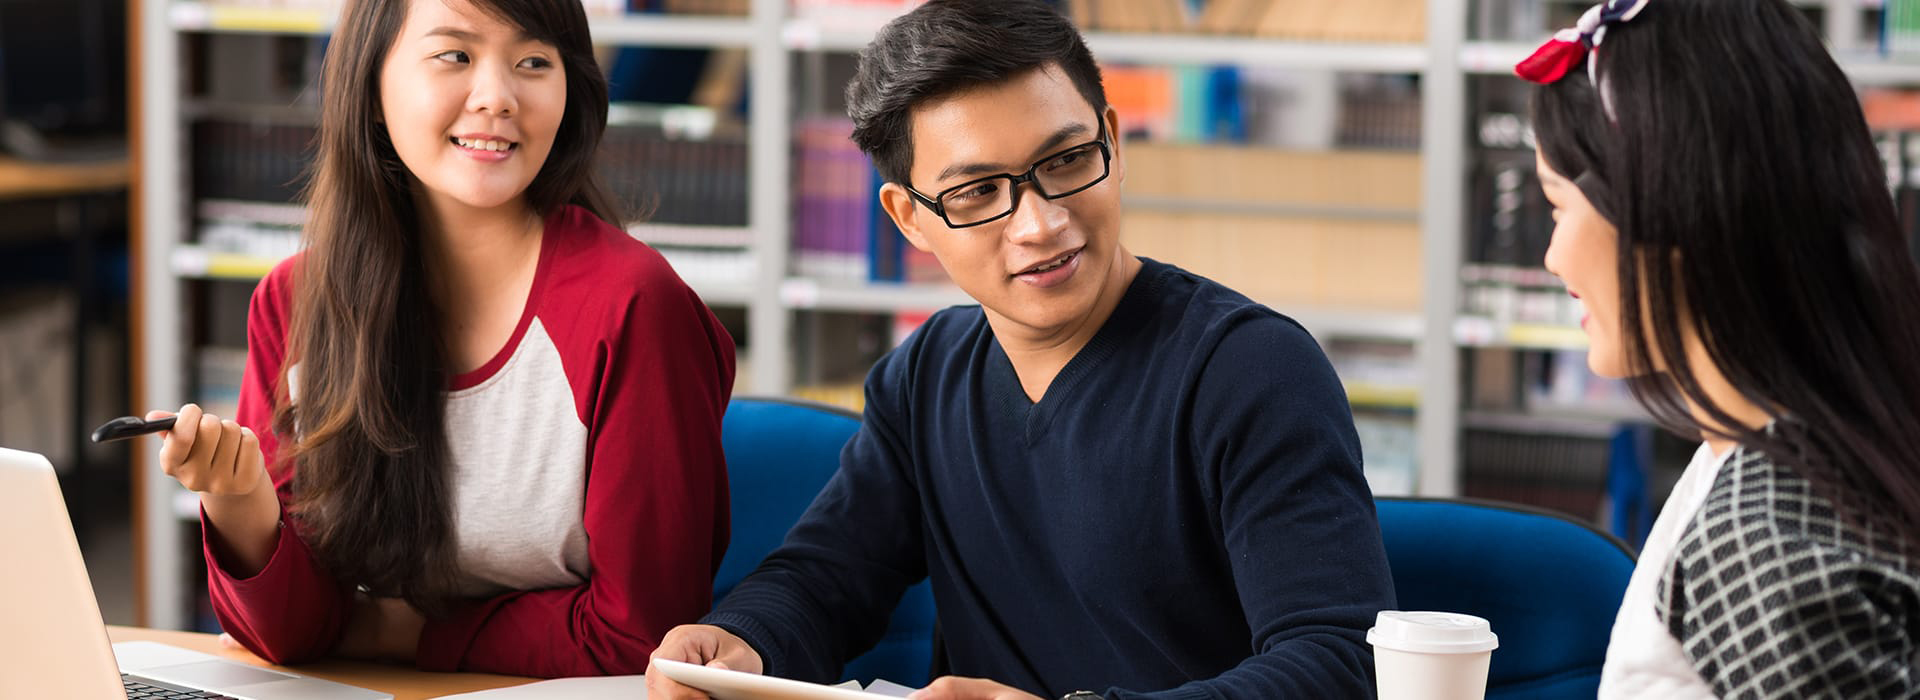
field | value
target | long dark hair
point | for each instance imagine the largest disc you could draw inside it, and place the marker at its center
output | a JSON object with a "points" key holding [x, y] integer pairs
{"points": [[368, 432], [1751, 203]]}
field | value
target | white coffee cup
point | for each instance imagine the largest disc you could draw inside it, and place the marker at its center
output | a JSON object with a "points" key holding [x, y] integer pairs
{"points": [[1431, 655]]}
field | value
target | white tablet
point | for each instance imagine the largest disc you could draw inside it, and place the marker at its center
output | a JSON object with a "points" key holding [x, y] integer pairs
{"points": [[723, 684]]}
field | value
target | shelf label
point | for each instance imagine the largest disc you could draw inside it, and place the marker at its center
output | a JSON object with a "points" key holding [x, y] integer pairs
{"points": [[1474, 331], [800, 293], [803, 36]]}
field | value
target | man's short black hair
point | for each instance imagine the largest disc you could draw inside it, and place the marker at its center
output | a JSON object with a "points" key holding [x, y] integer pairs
{"points": [[947, 46]]}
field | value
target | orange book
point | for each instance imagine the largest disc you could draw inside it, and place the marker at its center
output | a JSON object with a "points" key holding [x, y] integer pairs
{"points": [[1143, 95]]}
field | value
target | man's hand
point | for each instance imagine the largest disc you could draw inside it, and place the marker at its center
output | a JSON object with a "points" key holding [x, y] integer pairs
{"points": [[957, 688], [699, 644]]}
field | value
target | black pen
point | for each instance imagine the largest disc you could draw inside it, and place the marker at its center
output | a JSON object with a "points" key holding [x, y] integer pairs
{"points": [[128, 426]]}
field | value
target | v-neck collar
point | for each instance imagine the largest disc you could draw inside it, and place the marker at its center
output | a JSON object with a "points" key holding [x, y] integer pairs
{"points": [[1127, 316]]}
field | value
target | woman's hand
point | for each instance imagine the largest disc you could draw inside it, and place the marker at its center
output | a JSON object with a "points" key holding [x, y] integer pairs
{"points": [[210, 456], [221, 461]]}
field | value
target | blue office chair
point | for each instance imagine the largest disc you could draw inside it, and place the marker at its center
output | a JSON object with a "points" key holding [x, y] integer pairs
{"points": [[1548, 584], [780, 453]]}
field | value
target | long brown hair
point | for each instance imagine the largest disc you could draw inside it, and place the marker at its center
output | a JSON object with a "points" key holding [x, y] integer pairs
{"points": [[368, 434]]}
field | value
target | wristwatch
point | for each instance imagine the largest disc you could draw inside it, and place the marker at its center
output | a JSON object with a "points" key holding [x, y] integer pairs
{"points": [[1082, 695]]}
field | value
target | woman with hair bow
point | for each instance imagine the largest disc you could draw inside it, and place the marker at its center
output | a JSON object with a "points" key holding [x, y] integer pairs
{"points": [[1723, 216]]}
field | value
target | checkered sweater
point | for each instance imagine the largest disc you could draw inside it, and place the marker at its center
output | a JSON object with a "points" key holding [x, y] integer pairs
{"points": [[1773, 596]]}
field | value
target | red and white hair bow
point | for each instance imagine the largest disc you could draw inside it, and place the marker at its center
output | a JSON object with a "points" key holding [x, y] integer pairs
{"points": [[1569, 46]]}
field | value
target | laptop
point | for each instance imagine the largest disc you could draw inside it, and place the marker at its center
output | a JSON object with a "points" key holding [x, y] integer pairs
{"points": [[53, 643]]}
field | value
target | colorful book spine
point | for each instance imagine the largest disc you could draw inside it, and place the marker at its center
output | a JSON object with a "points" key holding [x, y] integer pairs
{"points": [[840, 231]]}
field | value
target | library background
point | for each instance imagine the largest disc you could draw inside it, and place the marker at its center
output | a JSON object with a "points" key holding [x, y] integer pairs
{"points": [[1364, 166]]}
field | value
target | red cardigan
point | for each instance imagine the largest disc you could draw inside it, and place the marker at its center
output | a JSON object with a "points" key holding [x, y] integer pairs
{"points": [[650, 371]]}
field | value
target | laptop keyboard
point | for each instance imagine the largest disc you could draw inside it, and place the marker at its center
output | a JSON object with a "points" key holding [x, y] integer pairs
{"points": [[148, 689]]}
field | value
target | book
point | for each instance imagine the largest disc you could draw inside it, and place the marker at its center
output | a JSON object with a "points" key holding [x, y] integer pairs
{"points": [[840, 231]]}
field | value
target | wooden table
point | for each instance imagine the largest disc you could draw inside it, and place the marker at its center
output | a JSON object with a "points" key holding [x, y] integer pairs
{"points": [[405, 683]]}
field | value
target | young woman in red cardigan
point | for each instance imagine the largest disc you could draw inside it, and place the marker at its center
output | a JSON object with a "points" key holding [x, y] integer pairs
{"points": [[480, 425]]}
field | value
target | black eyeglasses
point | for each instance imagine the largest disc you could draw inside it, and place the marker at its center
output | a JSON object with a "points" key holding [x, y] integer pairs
{"points": [[992, 198]]}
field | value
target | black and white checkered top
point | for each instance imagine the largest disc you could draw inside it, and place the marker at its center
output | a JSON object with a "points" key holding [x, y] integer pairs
{"points": [[1772, 595]]}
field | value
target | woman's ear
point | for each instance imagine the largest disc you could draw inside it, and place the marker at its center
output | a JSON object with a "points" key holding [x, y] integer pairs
{"points": [[900, 207]]}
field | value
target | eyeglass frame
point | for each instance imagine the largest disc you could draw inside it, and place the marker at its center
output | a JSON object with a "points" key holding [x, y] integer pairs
{"points": [[1013, 188]]}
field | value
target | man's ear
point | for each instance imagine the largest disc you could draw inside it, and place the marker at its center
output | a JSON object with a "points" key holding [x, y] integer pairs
{"points": [[1118, 168], [900, 207]]}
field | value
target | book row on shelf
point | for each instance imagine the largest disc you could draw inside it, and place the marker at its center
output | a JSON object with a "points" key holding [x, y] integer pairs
{"points": [[840, 231], [1895, 117], [1197, 203], [692, 7], [1567, 473], [699, 182], [36, 370], [1511, 222], [1512, 294], [1545, 383], [255, 161], [593, 7], [1389, 450], [1541, 429], [1348, 20], [1265, 105], [1900, 33], [1888, 26], [1523, 20]]}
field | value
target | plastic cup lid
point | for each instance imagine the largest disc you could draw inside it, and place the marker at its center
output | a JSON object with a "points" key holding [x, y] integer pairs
{"points": [[1431, 632]]}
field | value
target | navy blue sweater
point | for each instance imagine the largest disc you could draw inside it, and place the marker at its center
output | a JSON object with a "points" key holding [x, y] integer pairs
{"points": [[1181, 515]]}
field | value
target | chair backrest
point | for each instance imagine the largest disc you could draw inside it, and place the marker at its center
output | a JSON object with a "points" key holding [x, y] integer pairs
{"points": [[1549, 585], [780, 453]]}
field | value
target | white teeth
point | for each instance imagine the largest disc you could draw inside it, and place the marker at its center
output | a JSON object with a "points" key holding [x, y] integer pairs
{"points": [[1054, 264], [481, 145]]}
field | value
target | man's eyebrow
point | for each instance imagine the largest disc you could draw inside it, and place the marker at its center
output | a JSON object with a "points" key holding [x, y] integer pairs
{"points": [[1059, 136]]}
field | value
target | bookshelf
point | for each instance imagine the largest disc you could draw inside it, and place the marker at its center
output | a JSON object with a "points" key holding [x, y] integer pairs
{"points": [[175, 264]]}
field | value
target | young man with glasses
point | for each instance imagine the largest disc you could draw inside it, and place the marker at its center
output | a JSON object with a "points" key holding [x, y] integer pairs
{"points": [[1120, 477]]}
